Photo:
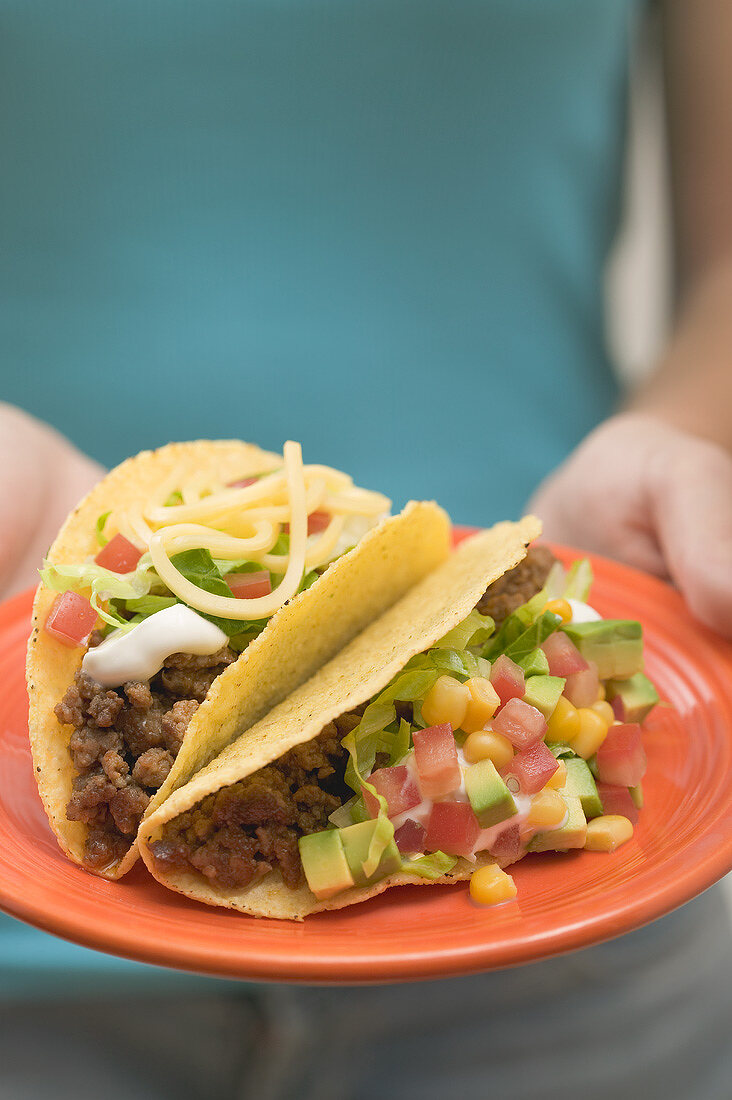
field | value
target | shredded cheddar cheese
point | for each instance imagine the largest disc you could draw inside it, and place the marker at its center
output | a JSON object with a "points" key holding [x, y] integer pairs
{"points": [[245, 522]]}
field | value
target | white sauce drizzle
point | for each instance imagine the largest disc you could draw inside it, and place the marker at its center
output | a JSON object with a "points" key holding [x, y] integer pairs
{"points": [[139, 653], [487, 837], [583, 613]]}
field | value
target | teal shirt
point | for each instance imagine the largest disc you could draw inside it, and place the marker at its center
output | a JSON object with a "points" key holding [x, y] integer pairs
{"points": [[376, 226]]}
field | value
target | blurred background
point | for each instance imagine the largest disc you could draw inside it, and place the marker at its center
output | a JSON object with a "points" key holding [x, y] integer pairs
{"points": [[638, 284]]}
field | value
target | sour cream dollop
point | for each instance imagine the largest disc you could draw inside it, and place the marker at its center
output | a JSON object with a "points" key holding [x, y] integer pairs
{"points": [[139, 653], [582, 612]]}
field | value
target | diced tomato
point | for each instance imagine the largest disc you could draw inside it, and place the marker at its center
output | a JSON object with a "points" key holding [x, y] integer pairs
{"points": [[621, 759], [410, 837], [520, 723], [563, 656], [317, 522], [119, 555], [71, 619], [582, 687], [533, 767], [617, 800], [248, 586], [397, 786], [435, 754], [452, 828], [242, 483], [508, 679], [507, 845], [618, 708]]}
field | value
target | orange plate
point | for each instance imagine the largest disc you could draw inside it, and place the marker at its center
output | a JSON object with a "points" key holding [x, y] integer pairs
{"points": [[682, 845]]}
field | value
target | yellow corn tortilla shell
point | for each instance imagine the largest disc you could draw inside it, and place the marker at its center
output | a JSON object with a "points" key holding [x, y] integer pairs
{"points": [[426, 613], [298, 639]]}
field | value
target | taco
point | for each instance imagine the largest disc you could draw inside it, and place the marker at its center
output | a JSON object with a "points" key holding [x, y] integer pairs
{"points": [[441, 740], [190, 592]]}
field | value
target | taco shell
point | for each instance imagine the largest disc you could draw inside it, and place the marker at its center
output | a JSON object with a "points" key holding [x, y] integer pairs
{"points": [[300, 638], [420, 618]]}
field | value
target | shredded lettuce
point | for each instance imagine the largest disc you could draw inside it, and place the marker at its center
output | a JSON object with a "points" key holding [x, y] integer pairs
{"points": [[475, 629], [401, 743], [409, 685], [434, 865], [384, 830], [518, 629], [99, 529], [199, 568], [239, 642], [376, 717], [103, 585], [147, 605], [560, 750], [571, 584], [350, 813], [282, 546], [308, 580], [532, 638], [447, 661], [579, 581], [240, 565]]}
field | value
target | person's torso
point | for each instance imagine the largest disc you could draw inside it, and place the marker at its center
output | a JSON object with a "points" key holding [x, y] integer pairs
{"points": [[377, 226]]}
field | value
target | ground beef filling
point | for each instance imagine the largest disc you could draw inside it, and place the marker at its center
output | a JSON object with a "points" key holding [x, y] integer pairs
{"points": [[517, 586], [241, 832], [124, 744]]}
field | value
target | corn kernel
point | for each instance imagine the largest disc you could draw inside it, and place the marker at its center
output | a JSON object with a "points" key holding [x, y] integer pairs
{"points": [[560, 608], [564, 723], [601, 692], [490, 885], [592, 732], [482, 704], [557, 781], [488, 745], [446, 701], [605, 834], [605, 711], [547, 811]]}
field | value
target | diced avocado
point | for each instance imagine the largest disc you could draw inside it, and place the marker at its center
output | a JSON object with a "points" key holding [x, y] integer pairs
{"points": [[571, 835], [543, 693], [324, 863], [489, 796], [356, 841], [636, 793], [580, 784], [637, 693], [535, 663], [615, 645]]}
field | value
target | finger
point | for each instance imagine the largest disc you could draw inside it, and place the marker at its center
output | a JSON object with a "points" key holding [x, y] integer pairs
{"points": [[692, 506], [600, 525], [22, 494]]}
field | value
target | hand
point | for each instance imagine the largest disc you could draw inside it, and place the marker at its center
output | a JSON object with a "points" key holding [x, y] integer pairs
{"points": [[655, 497], [42, 477]]}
